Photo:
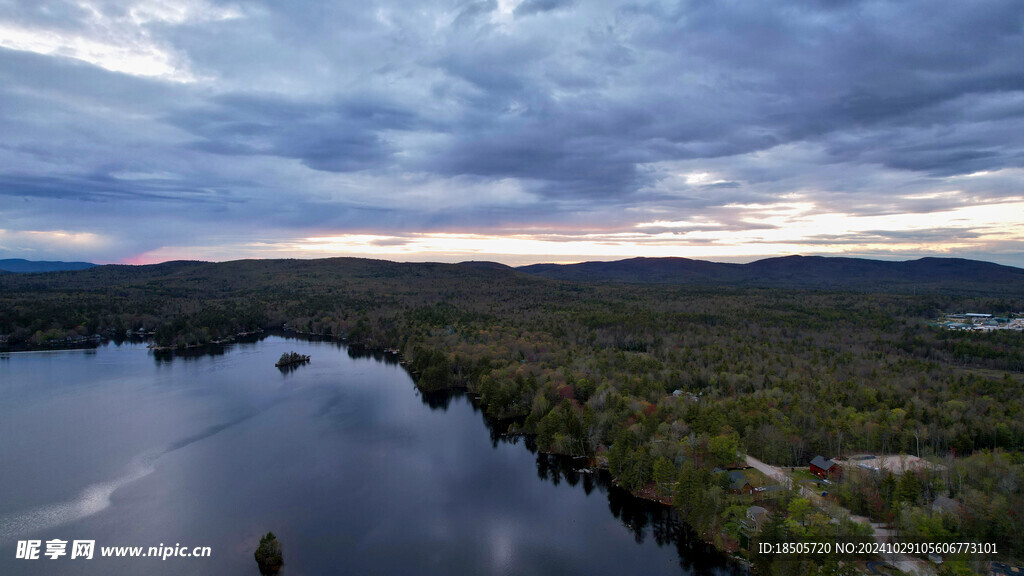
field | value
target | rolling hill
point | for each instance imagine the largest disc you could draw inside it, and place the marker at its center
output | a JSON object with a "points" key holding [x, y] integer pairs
{"points": [[926, 275], [810, 272], [21, 265]]}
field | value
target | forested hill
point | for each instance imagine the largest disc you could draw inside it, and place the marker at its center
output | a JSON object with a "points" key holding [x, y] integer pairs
{"points": [[926, 275], [270, 278], [945, 275], [20, 265]]}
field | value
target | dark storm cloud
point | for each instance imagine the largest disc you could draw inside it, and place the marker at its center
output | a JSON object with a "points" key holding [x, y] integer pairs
{"points": [[529, 7], [472, 11], [342, 136], [382, 116], [104, 188], [877, 69]]}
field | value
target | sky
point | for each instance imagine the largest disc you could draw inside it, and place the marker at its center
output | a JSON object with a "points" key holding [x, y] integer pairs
{"points": [[140, 131]]}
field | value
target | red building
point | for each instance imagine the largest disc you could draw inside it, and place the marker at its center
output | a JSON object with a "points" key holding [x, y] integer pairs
{"points": [[823, 468]]}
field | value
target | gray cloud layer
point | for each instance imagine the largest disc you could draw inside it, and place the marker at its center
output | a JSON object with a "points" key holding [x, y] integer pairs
{"points": [[305, 118]]}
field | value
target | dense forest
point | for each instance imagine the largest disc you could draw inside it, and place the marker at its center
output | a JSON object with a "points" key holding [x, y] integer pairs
{"points": [[663, 384]]}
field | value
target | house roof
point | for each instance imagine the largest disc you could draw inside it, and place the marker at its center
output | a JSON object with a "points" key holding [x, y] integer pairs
{"points": [[823, 463], [739, 479], [944, 504], [755, 512]]}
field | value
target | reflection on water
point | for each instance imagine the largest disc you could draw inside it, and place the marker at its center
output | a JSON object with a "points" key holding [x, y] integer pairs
{"points": [[642, 517], [358, 352], [345, 460]]}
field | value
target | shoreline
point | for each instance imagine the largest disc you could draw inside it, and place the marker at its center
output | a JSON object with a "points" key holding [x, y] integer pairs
{"points": [[591, 464]]}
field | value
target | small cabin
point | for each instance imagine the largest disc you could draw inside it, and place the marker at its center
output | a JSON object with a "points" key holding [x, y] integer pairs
{"points": [[757, 515], [823, 468], [739, 484]]}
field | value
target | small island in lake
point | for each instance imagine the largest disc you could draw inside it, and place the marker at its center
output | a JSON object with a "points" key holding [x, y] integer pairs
{"points": [[268, 555], [291, 359]]}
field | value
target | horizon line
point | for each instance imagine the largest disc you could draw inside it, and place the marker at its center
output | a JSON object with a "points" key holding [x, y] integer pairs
{"points": [[735, 260]]}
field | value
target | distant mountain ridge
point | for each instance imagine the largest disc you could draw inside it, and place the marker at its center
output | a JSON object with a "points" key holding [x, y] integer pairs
{"points": [[815, 272], [21, 265], [926, 275]]}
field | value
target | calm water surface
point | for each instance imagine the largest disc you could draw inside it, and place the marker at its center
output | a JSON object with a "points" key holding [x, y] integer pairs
{"points": [[354, 470]]}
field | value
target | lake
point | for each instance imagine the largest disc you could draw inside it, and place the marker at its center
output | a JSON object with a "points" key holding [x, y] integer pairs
{"points": [[354, 469]]}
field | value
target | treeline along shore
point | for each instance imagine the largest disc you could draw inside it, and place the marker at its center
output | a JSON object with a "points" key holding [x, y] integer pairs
{"points": [[668, 386]]}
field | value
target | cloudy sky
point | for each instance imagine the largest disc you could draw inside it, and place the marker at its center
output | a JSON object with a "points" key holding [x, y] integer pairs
{"points": [[517, 131]]}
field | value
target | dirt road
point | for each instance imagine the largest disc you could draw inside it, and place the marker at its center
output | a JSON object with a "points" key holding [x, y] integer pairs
{"points": [[905, 563], [771, 471]]}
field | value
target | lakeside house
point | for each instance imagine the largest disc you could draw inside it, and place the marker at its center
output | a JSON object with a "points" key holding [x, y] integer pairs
{"points": [[823, 468], [757, 515], [738, 482]]}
